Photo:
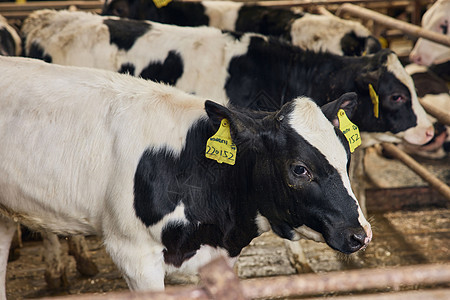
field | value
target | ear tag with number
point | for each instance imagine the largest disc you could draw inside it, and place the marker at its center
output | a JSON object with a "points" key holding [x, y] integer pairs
{"points": [[375, 101], [350, 130], [161, 3], [220, 147]]}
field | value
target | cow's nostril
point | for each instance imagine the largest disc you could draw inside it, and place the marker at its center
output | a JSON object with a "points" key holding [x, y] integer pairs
{"points": [[430, 132], [359, 238]]}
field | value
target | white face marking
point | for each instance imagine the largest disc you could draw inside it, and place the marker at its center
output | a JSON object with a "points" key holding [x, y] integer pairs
{"points": [[426, 52], [416, 135], [310, 123]]}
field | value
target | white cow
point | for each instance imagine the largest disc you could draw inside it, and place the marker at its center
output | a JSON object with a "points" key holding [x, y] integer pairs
{"points": [[315, 32], [88, 151], [433, 91], [437, 19]]}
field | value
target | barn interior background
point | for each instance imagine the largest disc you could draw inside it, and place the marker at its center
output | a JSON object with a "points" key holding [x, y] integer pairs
{"points": [[409, 212]]}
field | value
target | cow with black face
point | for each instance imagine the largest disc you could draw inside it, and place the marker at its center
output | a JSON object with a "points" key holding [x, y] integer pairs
{"points": [[135, 170], [314, 32]]}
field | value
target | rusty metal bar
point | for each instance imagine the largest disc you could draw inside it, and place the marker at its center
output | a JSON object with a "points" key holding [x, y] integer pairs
{"points": [[22, 10], [171, 293], [220, 281], [35, 5], [355, 280], [323, 11], [12, 10], [309, 284], [393, 23], [440, 115], [300, 3], [434, 182], [438, 294]]}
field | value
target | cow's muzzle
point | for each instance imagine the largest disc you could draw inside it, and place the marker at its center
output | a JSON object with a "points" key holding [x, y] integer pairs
{"points": [[356, 238]]}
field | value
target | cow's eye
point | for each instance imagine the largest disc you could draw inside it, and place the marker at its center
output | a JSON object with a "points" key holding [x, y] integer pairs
{"points": [[398, 98], [300, 170], [117, 11]]}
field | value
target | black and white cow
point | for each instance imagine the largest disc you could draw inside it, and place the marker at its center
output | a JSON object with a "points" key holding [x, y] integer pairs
{"points": [[88, 151], [432, 90], [315, 32], [250, 70], [10, 43], [437, 19]]}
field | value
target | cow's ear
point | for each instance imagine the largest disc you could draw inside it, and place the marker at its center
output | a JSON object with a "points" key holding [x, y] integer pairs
{"points": [[347, 102], [365, 78], [216, 112], [242, 127]]}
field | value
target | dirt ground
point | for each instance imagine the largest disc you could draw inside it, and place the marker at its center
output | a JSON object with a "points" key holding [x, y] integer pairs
{"points": [[400, 238]]}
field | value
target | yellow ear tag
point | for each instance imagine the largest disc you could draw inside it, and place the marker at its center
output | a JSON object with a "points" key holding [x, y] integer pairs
{"points": [[375, 101], [220, 147], [384, 43], [161, 3], [350, 130]]}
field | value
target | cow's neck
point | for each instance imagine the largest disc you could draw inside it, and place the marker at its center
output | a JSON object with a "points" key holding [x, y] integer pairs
{"points": [[214, 199], [181, 14], [272, 73]]}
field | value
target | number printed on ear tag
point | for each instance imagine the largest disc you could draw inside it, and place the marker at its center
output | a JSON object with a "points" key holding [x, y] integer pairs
{"points": [[350, 130], [220, 147]]}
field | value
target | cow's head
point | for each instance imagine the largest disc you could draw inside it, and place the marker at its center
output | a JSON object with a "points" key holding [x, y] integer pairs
{"points": [[334, 35], [437, 19], [10, 43], [400, 113], [299, 175]]}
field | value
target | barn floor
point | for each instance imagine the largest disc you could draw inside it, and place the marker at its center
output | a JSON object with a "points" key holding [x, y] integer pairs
{"points": [[400, 238]]}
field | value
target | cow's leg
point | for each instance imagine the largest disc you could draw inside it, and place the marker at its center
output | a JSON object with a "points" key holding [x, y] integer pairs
{"points": [[7, 229], [78, 248], [16, 244], [55, 271], [141, 264]]}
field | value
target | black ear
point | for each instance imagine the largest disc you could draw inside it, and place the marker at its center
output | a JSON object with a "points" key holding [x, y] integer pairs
{"points": [[245, 126], [216, 112], [347, 102], [364, 79]]}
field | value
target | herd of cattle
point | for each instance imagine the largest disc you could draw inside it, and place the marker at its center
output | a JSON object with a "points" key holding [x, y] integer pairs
{"points": [[120, 152]]}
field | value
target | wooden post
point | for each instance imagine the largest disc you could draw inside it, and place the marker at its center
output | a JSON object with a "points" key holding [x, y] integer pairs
{"points": [[437, 184], [393, 23]]}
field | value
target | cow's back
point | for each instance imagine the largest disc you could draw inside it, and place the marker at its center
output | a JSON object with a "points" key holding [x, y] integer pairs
{"points": [[76, 138]]}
